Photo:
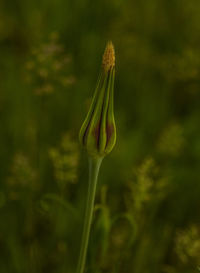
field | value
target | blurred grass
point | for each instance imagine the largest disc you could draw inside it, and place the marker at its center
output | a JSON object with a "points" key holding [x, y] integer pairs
{"points": [[147, 208]]}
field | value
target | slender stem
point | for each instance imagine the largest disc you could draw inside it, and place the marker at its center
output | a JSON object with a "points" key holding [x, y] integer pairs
{"points": [[94, 165]]}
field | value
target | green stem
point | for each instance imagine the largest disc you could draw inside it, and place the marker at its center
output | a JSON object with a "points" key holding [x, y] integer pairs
{"points": [[94, 165]]}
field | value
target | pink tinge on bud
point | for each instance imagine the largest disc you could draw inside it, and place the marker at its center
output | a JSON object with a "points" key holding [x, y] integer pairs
{"points": [[98, 132]]}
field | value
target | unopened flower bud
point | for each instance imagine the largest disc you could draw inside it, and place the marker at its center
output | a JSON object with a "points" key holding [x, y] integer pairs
{"points": [[98, 132]]}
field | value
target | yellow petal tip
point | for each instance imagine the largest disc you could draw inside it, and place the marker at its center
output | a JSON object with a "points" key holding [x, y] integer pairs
{"points": [[108, 56]]}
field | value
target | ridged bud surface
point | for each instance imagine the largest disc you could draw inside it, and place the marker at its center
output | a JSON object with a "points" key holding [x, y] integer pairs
{"points": [[98, 132]]}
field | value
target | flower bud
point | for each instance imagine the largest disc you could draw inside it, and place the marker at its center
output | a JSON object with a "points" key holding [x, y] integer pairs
{"points": [[98, 132]]}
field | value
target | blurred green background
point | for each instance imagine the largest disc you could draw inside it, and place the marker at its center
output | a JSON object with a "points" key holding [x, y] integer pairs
{"points": [[146, 217]]}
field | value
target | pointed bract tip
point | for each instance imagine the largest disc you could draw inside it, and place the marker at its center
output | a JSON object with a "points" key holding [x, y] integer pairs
{"points": [[108, 56]]}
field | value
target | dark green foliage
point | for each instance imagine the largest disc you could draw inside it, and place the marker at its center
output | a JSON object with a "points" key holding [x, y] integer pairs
{"points": [[147, 207]]}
